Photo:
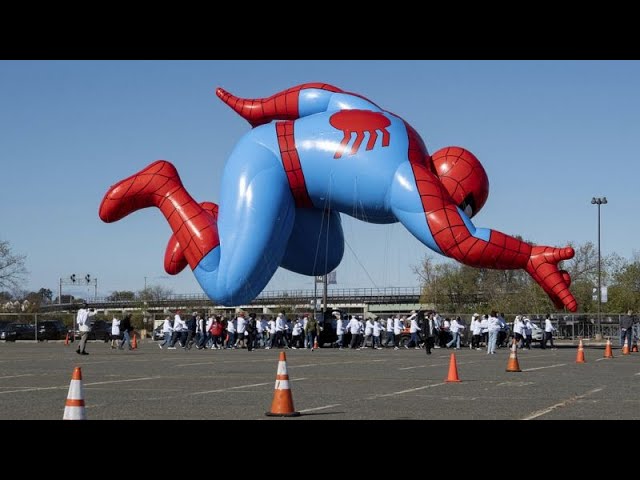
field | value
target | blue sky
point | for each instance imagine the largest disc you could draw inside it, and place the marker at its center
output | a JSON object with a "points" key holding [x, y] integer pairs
{"points": [[550, 134]]}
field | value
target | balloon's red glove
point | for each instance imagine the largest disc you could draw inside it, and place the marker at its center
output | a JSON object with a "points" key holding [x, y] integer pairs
{"points": [[543, 268]]}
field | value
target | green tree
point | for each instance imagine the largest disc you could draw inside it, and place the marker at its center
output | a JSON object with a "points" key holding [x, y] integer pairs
{"points": [[154, 293], [125, 295]]}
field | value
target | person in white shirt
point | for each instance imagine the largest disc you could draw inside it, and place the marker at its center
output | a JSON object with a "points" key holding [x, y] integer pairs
{"points": [[281, 339], [518, 331], [455, 328], [241, 322], [354, 329], [476, 331], [389, 336], [115, 332], [339, 329], [413, 330], [527, 332], [178, 327], [494, 328], [231, 334], [271, 328], [398, 326], [368, 333], [261, 324], [82, 319], [377, 330], [484, 329], [548, 332], [167, 330], [296, 335]]}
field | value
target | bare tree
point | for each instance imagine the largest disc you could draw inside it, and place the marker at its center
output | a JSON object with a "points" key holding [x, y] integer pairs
{"points": [[12, 267]]}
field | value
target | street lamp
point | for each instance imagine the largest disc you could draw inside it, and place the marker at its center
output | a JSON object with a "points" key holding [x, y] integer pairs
{"points": [[599, 201]]}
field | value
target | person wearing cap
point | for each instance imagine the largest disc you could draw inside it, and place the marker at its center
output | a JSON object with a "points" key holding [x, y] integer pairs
{"points": [[414, 329], [82, 319]]}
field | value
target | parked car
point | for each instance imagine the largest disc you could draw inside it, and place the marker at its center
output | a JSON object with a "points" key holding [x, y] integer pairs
{"points": [[157, 333], [7, 332], [52, 330], [24, 331], [100, 330]]}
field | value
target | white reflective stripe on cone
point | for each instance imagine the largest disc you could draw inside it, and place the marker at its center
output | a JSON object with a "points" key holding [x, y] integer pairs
{"points": [[282, 385], [282, 368]]}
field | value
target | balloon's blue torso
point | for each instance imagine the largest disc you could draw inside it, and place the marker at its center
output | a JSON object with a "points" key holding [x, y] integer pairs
{"points": [[355, 184]]}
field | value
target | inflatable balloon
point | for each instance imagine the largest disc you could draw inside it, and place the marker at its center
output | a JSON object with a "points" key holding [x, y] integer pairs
{"points": [[315, 152]]}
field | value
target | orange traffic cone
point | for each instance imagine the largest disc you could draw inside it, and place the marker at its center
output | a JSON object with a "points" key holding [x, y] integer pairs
{"points": [[608, 351], [513, 365], [625, 348], [315, 343], [580, 356], [66, 339], [453, 370], [74, 408], [134, 342], [282, 405]]}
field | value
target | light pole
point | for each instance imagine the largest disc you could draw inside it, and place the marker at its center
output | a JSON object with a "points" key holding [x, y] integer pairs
{"points": [[599, 201]]}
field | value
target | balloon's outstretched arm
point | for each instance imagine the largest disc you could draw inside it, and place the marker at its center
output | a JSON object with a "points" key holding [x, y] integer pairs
{"points": [[480, 247]]}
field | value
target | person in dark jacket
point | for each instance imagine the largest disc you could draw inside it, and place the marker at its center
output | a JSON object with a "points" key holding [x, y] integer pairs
{"points": [[250, 331], [428, 330], [626, 329], [191, 331], [126, 328]]}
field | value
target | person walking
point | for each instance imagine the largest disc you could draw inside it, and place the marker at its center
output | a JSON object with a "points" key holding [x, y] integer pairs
{"points": [[312, 331], [167, 330], [82, 319], [548, 332], [626, 329], [493, 327], [115, 332], [126, 328]]}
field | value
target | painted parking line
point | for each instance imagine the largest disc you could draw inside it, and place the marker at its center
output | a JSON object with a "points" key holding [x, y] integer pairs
{"points": [[540, 368], [230, 388], [219, 390], [192, 364], [335, 363], [16, 376], [120, 381], [319, 408], [436, 365], [401, 392], [37, 389], [564, 403]]}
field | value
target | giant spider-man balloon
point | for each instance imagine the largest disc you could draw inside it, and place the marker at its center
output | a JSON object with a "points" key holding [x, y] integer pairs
{"points": [[314, 152]]}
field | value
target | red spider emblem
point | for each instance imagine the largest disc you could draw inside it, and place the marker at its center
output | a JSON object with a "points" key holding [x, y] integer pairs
{"points": [[360, 121]]}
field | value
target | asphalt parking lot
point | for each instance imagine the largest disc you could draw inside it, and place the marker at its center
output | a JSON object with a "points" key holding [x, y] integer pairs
{"points": [[327, 384]]}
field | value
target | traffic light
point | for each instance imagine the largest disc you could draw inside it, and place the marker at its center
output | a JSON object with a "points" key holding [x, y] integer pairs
{"points": [[73, 278], [88, 278]]}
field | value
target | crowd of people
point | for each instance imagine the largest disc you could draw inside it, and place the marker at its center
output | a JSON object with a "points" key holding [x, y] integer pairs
{"points": [[425, 330]]}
